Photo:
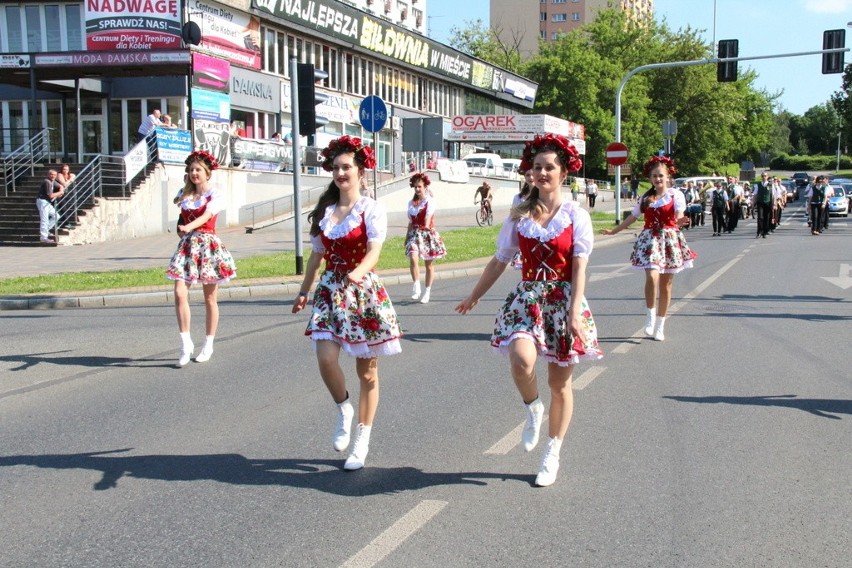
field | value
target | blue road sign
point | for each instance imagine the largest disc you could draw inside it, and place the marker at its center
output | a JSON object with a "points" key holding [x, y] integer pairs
{"points": [[373, 113]]}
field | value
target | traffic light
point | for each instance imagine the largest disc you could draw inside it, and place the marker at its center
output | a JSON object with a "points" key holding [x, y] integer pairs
{"points": [[309, 98], [726, 71], [833, 62]]}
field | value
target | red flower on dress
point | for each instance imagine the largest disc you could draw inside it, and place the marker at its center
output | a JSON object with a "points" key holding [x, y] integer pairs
{"points": [[534, 311], [556, 295], [348, 144], [562, 348], [564, 148], [371, 324]]}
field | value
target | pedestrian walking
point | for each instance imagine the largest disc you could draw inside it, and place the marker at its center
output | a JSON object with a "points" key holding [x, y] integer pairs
{"points": [[200, 256], [49, 190], [817, 202], [546, 314], [661, 249], [763, 204], [591, 192], [351, 308], [422, 240], [720, 205]]}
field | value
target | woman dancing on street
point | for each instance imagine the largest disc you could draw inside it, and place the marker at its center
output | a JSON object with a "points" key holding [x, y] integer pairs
{"points": [[351, 308], [422, 240], [661, 248], [200, 256], [546, 314]]}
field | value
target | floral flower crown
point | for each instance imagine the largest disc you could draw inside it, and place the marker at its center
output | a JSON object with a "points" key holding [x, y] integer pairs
{"points": [[565, 150], [202, 156], [345, 144], [654, 160], [419, 177]]}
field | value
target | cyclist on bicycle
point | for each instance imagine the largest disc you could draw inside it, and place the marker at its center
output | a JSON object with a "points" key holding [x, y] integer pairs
{"points": [[484, 194]]}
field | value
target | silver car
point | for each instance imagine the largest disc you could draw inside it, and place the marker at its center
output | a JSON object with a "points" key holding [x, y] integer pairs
{"points": [[838, 204]]}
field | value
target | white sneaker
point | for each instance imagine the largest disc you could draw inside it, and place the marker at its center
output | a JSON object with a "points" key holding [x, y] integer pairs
{"points": [[185, 354], [659, 335], [345, 412], [549, 463], [425, 298], [649, 322], [535, 417], [415, 291], [360, 448], [205, 354]]}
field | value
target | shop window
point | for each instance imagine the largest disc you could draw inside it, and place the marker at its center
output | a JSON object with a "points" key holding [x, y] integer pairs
{"points": [[34, 32]]}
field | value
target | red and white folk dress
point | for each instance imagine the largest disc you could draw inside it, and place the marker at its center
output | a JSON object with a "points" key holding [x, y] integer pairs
{"points": [[423, 239], [358, 316], [537, 309], [661, 244], [200, 255]]}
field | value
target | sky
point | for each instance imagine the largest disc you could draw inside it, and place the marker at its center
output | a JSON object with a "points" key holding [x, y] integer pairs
{"points": [[763, 27]]}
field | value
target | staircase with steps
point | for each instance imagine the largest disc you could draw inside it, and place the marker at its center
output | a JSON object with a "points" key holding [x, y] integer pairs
{"points": [[19, 219]]}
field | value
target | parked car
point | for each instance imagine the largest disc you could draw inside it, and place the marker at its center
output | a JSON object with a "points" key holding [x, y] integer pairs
{"points": [[801, 178], [838, 204], [484, 164], [847, 187]]}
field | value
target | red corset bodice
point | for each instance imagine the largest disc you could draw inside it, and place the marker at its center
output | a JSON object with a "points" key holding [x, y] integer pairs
{"points": [[419, 220], [347, 252], [658, 217], [189, 215], [549, 260]]}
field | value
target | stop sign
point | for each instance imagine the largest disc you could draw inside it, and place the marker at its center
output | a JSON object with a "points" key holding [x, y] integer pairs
{"points": [[616, 154]]}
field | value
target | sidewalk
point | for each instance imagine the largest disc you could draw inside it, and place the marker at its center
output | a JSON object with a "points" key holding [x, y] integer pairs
{"points": [[156, 251]]}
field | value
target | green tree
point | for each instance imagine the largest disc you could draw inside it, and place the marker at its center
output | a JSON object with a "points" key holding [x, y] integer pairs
{"points": [[822, 123], [484, 43]]}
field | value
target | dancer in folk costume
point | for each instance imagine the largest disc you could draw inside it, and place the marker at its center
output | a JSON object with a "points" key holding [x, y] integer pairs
{"points": [[351, 308], [546, 314], [422, 240], [661, 248], [200, 256]]}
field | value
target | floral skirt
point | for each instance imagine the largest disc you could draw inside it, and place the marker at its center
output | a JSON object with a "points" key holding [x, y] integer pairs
{"points": [[427, 243], [538, 311], [358, 317], [201, 257], [663, 249]]}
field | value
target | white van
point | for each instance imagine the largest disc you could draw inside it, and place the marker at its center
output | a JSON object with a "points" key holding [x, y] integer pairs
{"points": [[484, 164]]}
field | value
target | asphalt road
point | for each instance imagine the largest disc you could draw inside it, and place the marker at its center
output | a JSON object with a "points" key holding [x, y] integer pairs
{"points": [[725, 445]]}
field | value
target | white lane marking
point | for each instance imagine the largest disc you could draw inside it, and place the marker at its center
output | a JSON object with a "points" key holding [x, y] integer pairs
{"points": [[395, 535], [586, 378], [510, 440]]}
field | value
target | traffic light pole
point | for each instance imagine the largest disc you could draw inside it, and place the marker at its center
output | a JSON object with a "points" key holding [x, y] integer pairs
{"points": [[297, 163], [684, 64]]}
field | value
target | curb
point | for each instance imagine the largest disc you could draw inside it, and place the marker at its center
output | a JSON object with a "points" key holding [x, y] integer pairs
{"points": [[259, 289]]}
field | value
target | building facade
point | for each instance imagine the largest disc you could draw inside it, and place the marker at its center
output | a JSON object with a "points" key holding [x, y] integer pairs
{"points": [[523, 23], [92, 71]]}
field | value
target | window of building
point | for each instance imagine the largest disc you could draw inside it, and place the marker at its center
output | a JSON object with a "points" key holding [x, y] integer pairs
{"points": [[542, 16], [41, 28], [560, 17], [575, 17], [558, 1]]}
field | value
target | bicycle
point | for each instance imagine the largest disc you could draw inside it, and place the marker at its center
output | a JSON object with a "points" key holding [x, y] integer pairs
{"points": [[484, 215]]}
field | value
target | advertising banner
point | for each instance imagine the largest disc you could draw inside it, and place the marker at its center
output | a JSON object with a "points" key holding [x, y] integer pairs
{"points": [[263, 154], [210, 105], [227, 33], [210, 73], [140, 25], [173, 144]]}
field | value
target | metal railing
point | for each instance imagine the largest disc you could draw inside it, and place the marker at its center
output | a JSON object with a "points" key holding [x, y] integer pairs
{"points": [[276, 210], [23, 160], [102, 177]]}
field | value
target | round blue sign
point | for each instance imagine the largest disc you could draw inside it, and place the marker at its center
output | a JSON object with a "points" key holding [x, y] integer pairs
{"points": [[373, 113]]}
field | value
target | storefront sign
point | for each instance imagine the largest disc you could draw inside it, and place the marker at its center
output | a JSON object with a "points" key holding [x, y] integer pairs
{"points": [[211, 73], [84, 58], [135, 160], [227, 33], [15, 61], [254, 90], [355, 27], [520, 123], [132, 24]]}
